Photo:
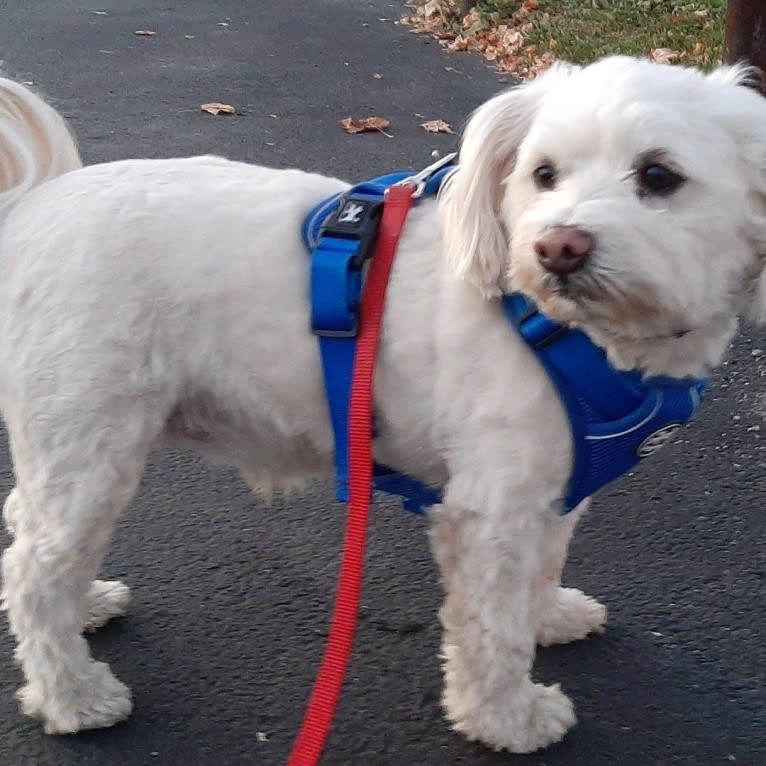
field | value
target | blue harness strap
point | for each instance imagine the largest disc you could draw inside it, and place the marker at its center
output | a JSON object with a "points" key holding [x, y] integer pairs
{"points": [[616, 417], [340, 233]]}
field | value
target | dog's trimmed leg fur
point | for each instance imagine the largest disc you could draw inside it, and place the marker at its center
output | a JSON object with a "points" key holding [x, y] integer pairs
{"points": [[494, 612], [489, 642], [67, 502], [105, 598], [489, 539], [563, 614]]}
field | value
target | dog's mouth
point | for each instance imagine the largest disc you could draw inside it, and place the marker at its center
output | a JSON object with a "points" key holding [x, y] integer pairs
{"points": [[569, 287], [567, 298], [580, 300]]}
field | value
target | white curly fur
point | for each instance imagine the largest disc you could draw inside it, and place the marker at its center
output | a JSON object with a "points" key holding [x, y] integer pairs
{"points": [[127, 322]]}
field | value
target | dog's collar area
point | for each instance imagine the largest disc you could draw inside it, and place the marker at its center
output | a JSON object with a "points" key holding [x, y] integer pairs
{"points": [[616, 417]]}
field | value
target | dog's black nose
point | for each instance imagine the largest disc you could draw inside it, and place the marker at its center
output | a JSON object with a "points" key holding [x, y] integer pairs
{"points": [[563, 249]]}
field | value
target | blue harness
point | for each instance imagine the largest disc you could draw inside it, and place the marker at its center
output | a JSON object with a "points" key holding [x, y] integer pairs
{"points": [[616, 417]]}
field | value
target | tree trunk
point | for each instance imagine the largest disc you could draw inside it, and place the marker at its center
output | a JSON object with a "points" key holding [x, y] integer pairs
{"points": [[746, 32]]}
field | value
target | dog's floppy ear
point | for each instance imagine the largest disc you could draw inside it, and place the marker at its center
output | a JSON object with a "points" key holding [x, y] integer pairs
{"points": [[475, 238]]}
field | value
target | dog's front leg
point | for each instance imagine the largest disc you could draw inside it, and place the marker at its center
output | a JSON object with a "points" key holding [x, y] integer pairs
{"points": [[489, 562]]}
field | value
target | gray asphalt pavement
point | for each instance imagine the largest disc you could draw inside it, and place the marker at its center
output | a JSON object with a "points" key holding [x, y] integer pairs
{"points": [[232, 597]]}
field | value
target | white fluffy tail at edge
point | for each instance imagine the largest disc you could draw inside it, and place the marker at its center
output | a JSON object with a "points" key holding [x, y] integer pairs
{"points": [[35, 144]]}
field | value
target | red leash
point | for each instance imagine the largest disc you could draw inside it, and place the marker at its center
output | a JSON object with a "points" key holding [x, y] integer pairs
{"points": [[309, 744]]}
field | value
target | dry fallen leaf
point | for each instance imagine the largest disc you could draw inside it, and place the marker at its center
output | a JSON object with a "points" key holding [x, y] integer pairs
{"points": [[352, 125], [437, 126], [663, 55], [144, 33], [214, 107]]}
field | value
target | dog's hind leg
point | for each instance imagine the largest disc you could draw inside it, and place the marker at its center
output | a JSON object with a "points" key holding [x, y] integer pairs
{"points": [[563, 614], [106, 598], [75, 474]]}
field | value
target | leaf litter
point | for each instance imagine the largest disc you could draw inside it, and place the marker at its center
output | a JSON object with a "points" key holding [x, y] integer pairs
{"points": [[366, 125], [216, 107]]}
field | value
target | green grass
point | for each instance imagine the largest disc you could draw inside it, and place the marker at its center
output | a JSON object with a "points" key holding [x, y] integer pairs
{"points": [[583, 31]]}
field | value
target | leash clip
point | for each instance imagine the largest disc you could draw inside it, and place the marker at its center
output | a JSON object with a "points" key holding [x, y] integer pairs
{"points": [[419, 180]]}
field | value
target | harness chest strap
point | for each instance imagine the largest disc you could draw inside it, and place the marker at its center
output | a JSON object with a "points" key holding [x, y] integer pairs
{"points": [[340, 232], [616, 417]]}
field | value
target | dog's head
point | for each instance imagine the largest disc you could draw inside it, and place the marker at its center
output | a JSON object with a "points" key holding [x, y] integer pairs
{"points": [[624, 197]]}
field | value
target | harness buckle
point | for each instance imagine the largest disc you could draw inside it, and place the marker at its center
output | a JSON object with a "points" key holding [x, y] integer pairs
{"points": [[344, 244], [357, 218]]}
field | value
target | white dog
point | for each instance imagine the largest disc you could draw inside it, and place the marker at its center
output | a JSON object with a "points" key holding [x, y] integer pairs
{"points": [[127, 321]]}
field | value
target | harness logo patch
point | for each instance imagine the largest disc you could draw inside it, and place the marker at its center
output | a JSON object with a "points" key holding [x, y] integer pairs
{"points": [[657, 440], [351, 213]]}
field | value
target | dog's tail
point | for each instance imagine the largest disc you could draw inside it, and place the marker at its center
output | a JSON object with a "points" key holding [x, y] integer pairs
{"points": [[35, 144]]}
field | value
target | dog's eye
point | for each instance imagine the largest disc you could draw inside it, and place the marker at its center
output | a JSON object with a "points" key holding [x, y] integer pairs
{"points": [[655, 178], [545, 177]]}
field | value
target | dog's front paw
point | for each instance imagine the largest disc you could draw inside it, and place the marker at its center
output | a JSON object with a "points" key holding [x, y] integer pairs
{"points": [[98, 700], [571, 616], [106, 599], [531, 718]]}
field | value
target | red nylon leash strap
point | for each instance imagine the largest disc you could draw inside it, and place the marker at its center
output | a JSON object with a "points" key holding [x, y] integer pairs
{"points": [[309, 744]]}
